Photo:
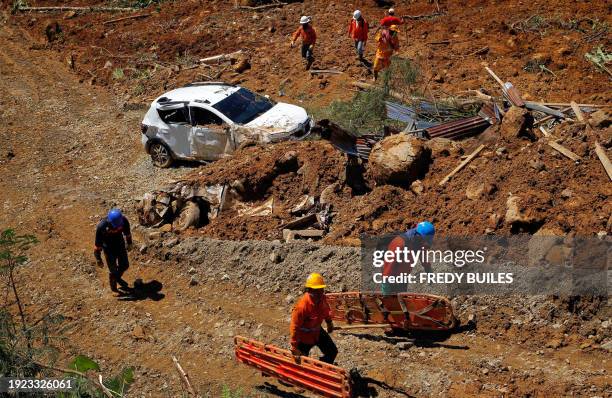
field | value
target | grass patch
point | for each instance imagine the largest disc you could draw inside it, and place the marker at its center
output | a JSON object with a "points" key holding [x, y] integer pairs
{"points": [[227, 392], [118, 74], [600, 58]]}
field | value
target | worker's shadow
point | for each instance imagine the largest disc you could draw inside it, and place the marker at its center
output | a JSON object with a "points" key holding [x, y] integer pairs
{"points": [[271, 389], [364, 386], [143, 291], [420, 338]]}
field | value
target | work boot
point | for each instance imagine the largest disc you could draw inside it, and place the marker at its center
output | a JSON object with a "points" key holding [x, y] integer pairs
{"points": [[113, 283]]}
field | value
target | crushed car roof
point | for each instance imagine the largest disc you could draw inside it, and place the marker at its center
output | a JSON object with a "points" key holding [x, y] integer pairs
{"points": [[211, 94]]}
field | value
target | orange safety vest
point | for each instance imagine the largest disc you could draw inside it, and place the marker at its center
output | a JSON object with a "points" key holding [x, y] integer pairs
{"points": [[306, 320]]}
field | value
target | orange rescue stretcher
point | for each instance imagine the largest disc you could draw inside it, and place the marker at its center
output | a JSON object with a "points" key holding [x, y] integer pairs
{"points": [[313, 375], [408, 311]]}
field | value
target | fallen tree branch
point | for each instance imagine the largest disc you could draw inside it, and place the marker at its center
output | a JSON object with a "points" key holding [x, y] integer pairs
{"points": [[263, 7], [83, 9], [184, 376], [461, 165], [423, 16], [323, 71], [124, 18], [222, 57], [93, 380], [603, 158]]}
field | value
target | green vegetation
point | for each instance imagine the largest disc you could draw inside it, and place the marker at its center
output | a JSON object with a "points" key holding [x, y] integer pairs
{"points": [[228, 393], [27, 348], [600, 58], [118, 74], [366, 112]]}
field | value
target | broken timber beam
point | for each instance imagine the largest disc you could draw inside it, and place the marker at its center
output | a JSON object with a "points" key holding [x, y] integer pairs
{"points": [[564, 151], [302, 222], [603, 158], [64, 8], [222, 57], [461, 165], [511, 93], [577, 111]]}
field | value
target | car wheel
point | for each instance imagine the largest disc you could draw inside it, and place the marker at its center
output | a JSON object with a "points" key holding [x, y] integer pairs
{"points": [[160, 155]]}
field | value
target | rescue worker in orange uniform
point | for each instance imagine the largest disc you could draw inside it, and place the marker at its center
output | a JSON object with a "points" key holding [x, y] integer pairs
{"points": [[309, 38], [358, 31], [306, 319], [387, 43]]}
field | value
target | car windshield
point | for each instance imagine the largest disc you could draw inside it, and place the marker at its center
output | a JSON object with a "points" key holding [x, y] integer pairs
{"points": [[243, 106]]}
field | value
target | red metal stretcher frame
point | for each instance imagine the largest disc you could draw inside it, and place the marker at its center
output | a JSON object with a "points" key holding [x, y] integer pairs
{"points": [[313, 375], [408, 311]]}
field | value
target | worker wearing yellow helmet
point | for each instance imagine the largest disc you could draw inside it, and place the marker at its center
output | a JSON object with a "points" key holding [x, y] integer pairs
{"points": [[306, 320]]}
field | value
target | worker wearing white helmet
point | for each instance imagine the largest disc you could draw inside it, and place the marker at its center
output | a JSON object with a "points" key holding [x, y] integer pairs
{"points": [[309, 38], [358, 31]]}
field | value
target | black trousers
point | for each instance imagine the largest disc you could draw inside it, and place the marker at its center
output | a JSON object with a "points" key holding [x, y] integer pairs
{"points": [[325, 344], [117, 262], [307, 52]]}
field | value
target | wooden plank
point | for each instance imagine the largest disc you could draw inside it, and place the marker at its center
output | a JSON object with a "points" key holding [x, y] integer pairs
{"points": [[462, 165], [497, 79], [603, 158], [564, 151], [577, 111], [301, 222]]}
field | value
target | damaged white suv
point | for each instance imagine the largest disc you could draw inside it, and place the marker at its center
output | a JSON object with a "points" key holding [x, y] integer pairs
{"points": [[208, 121]]}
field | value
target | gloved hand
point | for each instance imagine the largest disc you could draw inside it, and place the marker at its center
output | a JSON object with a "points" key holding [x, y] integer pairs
{"points": [[297, 354], [311, 47], [330, 327], [98, 257]]}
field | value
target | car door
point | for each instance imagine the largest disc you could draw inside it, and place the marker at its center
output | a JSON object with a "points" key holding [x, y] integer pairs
{"points": [[210, 135], [176, 131]]}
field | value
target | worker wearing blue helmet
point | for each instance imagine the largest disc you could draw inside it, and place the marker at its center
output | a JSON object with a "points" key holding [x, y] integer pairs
{"points": [[110, 234], [419, 236]]}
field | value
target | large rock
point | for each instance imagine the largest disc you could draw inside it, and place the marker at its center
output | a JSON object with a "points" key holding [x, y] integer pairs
{"points": [[399, 160], [442, 147], [600, 119], [516, 123], [527, 209]]}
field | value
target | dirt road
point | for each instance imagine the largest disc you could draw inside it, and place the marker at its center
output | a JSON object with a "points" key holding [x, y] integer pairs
{"points": [[67, 153]]}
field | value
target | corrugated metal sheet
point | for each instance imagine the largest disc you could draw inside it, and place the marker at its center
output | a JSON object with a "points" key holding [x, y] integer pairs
{"points": [[459, 128]]}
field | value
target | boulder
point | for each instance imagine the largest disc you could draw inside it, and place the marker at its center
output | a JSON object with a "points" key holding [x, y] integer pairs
{"points": [[528, 208], [399, 160], [442, 147], [516, 123], [600, 119]]}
